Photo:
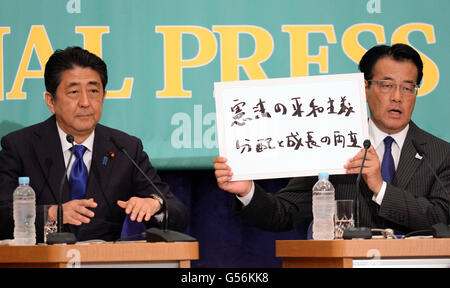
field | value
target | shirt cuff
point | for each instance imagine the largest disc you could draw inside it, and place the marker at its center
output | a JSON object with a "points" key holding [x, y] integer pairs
{"points": [[247, 198], [379, 197], [159, 217]]}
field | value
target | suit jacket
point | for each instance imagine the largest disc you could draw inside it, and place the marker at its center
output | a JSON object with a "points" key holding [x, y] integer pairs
{"points": [[414, 200], [36, 152]]}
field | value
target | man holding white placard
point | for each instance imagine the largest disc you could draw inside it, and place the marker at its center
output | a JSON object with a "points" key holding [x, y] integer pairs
{"points": [[398, 190]]}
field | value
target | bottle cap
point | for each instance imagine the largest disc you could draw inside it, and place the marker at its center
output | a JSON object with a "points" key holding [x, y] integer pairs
{"points": [[324, 175], [24, 180]]}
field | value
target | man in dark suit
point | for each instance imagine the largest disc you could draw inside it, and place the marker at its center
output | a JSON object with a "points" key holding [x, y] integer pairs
{"points": [[75, 81], [403, 195]]}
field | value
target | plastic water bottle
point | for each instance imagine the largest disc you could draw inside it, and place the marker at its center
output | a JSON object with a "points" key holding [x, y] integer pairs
{"points": [[24, 213], [323, 208]]}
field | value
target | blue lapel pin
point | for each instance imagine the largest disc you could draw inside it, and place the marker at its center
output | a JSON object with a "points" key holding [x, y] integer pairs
{"points": [[110, 155]]}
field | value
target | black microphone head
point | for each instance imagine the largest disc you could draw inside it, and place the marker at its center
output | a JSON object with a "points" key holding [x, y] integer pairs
{"points": [[366, 144], [70, 138], [418, 147], [118, 146]]}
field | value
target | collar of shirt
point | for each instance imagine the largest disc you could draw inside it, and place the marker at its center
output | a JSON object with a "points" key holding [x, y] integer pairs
{"points": [[377, 136], [88, 143]]}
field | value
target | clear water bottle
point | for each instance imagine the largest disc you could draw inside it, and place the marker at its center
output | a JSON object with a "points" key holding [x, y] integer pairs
{"points": [[24, 206], [323, 208]]}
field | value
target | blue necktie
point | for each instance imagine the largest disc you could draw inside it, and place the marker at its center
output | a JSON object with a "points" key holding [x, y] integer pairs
{"points": [[387, 166], [79, 174]]}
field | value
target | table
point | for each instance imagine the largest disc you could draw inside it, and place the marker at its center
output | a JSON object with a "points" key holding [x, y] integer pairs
{"points": [[415, 252], [121, 254]]}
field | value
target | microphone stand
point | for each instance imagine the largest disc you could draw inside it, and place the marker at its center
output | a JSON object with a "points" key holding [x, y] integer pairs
{"points": [[62, 237], [155, 234], [359, 232]]}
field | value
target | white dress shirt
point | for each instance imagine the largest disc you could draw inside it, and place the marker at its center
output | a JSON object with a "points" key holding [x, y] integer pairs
{"points": [[87, 157], [376, 137]]}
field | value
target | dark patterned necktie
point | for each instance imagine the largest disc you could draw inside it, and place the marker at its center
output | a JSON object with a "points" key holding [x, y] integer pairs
{"points": [[387, 166], [79, 174]]}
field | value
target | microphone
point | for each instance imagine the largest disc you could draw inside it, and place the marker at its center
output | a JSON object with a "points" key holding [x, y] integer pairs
{"points": [[155, 234], [62, 237], [440, 230], [359, 232], [96, 173]]}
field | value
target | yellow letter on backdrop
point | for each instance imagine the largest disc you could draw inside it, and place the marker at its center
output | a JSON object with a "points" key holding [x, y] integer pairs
{"points": [[300, 57], [173, 57], [230, 61], [38, 41], [350, 43], [3, 31], [92, 36]]}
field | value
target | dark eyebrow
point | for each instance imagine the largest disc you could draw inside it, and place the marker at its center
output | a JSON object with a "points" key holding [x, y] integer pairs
{"points": [[405, 81], [94, 83], [72, 84]]}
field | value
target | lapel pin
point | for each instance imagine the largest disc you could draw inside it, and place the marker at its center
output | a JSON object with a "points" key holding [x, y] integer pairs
{"points": [[110, 155], [418, 156]]}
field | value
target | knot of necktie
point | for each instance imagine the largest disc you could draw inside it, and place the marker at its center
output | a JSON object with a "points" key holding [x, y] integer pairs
{"points": [[388, 142], [79, 151]]}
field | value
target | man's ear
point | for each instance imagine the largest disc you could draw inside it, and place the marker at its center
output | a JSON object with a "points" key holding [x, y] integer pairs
{"points": [[50, 101]]}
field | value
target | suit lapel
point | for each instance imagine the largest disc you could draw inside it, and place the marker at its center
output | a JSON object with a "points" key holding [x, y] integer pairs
{"points": [[49, 154], [408, 163], [101, 167]]}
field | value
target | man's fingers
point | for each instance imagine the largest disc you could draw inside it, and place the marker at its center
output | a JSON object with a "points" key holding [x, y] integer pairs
{"points": [[87, 203], [221, 167], [78, 219], [223, 173], [75, 218], [134, 212], [130, 206], [148, 215], [140, 209], [76, 212], [219, 159], [84, 211], [356, 161], [122, 204], [142, 213]]}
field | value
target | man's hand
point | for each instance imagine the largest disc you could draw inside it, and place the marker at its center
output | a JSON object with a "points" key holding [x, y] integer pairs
{"points": [[75, 212], [224, 174], [140, 208], [371, 172]]}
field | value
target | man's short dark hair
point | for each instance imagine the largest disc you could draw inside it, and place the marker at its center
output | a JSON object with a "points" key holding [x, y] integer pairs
{"points": [[68, 59], [399, 52]]}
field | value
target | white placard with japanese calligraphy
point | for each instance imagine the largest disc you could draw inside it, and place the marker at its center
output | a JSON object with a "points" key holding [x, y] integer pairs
{"points": [[291, 127]]}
